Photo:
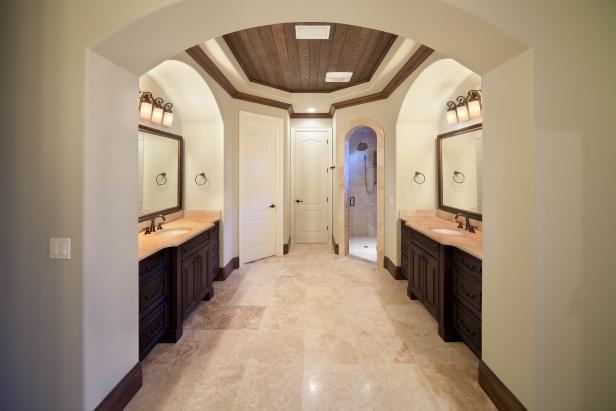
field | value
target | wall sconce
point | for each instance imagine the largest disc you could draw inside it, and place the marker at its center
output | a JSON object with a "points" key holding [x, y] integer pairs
{"points": [[452, 117], [473, 101], [464, 108], [461, 109], [155, 109], [146, 101], [168, 115]]}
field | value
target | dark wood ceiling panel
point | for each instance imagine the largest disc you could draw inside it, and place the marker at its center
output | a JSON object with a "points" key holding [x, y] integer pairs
{"points": [[271, 55]]}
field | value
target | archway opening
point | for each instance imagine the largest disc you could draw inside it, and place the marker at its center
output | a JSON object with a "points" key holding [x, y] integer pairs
{"points": [[361, 192]]}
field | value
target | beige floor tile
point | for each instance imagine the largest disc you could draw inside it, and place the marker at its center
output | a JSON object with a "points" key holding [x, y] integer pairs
{"points": [[456, 387], [367, 387], [208, 317], [310, 330]]}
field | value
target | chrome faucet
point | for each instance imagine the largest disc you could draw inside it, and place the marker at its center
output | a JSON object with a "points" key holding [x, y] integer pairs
{"points": [[467, 223]]}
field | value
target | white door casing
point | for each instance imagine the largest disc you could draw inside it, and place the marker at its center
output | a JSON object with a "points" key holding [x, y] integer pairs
{"points": [[310, 195], [260, 186]]}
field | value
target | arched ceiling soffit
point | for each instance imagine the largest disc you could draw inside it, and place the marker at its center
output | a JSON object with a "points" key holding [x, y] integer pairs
{"points": [[188, 92], [427, 96]]}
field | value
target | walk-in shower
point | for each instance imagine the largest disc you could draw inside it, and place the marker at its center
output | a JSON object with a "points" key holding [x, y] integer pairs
{"points": [[362, 180]]}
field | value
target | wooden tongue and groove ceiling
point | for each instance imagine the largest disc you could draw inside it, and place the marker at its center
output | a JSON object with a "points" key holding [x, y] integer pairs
{"points": [[272, 56]]}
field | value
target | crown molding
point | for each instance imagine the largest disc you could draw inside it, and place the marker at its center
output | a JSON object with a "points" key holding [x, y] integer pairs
{"points": [[203, 60]]}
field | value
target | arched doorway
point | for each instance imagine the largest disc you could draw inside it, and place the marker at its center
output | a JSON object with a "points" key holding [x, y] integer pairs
{"points": [[343, 187], [201, 20]]}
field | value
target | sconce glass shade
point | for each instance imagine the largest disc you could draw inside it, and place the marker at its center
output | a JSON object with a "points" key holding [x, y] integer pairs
{"points": [[474, 104], [461, 109], [145, 110], [474, 109], [168, 115], [146, 102], [168, 119], [157, 115], [157, 112], [452, 117]]}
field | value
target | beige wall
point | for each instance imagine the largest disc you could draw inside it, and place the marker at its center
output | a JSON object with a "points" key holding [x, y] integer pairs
{"points": [[562, 286]]}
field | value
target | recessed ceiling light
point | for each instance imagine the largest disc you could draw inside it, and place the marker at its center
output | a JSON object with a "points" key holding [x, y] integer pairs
{"points": [[303, 32], [311, 109], [338, 76]]}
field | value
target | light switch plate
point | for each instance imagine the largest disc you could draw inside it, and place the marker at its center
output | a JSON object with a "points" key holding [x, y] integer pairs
{"points": [[60, 248]]}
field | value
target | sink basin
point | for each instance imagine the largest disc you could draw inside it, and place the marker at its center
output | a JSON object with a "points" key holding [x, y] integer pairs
{"points": [[446, 231], [172, 232]]}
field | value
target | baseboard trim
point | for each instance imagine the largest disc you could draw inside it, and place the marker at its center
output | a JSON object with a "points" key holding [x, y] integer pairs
{"points": [[123, 392], [502, 397], [286, 247], [335, 245], [225, 272], [393, 269]]}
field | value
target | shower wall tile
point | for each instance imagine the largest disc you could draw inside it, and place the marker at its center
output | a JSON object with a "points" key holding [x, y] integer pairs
{"points": [[362, 217]]}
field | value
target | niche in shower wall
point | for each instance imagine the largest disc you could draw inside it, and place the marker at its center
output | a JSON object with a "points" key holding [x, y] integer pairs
{"points": [[361, 165]]}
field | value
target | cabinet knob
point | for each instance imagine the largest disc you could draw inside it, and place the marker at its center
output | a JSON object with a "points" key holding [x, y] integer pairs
{"points": [[272, 206]]}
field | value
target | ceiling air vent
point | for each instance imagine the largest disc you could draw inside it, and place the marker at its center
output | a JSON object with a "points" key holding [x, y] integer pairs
{"points": [[311, 32], [338, 76]]}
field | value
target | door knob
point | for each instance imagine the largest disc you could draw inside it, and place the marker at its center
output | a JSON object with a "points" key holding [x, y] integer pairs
{"points": [[272, 206], [298, 201]]}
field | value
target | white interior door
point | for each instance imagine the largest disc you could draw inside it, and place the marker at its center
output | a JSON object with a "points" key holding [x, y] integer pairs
{"points": [[311, 162], [260, 186]]}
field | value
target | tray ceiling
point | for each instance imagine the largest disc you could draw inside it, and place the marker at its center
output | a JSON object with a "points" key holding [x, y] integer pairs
{"points": [[272, 56]]}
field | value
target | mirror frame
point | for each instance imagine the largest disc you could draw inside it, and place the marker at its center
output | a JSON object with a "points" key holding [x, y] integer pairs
{"points": [[180, 141], [439, 169]]}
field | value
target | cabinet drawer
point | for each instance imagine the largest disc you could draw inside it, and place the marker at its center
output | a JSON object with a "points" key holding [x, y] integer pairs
{"points": [[467, 261], [151, 329], [194, 244], [427, 244], [467, 289], [153, 264], [469, 327], [152, 292]]}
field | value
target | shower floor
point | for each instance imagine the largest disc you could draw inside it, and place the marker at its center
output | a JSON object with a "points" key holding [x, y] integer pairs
{"points": [[363, 247]]}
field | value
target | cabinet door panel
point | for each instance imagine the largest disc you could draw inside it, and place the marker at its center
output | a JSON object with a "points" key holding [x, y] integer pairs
{"points": [[417, 272], [431, 289], [188, 287]]}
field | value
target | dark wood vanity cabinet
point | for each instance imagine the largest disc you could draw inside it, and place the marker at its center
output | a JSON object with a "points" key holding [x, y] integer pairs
{"points": [[153, 300], [466, 295], [172, 282], [447, 281], [422, 256], [199, 267]]}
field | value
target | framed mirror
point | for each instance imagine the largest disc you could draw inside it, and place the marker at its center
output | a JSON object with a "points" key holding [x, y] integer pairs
{"points": [[460, 173], [160, 172]]}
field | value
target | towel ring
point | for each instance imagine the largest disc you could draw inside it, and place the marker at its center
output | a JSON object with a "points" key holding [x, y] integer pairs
{"points": [[200, 181], [458, 177], [161, 178], [421, 179]]}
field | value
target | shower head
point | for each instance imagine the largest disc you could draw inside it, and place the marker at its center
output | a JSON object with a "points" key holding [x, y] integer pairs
{"points": [[362, 146]]}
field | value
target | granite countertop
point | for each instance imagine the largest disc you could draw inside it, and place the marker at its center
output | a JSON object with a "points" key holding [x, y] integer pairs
{"points": [[471, 243], [197, 223]]}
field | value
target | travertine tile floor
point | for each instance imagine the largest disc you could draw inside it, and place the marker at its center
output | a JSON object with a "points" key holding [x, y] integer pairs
{"points": [[314, 331]]}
